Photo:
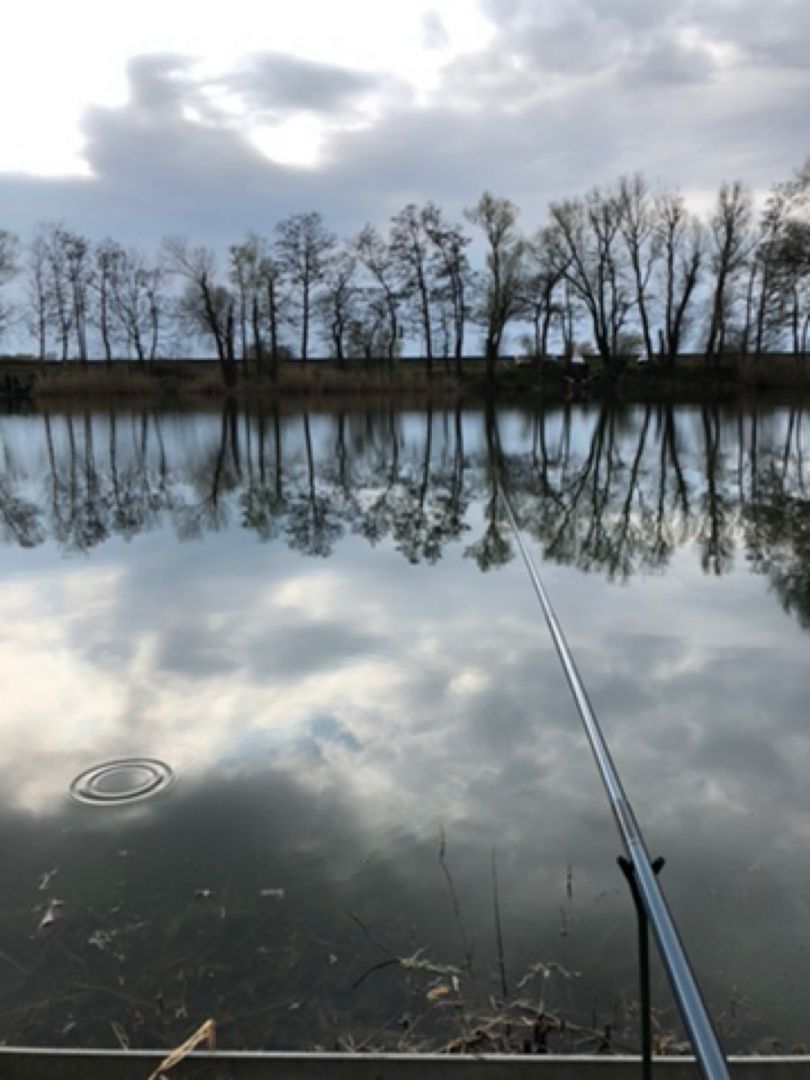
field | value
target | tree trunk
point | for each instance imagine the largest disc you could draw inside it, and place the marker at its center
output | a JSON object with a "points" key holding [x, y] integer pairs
{"points": [[258, 346], [427, 329], [229, 365], [305, 322], [272, 316]]}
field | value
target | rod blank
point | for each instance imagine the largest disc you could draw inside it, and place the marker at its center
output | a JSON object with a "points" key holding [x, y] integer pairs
{"points": [[694, 1014]]}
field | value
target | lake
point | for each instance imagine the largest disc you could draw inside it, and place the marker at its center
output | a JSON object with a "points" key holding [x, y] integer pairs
{"points": [[380, 824]]}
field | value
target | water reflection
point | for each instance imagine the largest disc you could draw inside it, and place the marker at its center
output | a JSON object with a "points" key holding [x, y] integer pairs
{"points": [[610, 489], [330, 719]]}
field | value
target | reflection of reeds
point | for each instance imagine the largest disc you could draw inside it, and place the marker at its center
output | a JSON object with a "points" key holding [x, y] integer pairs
{"points": [[523, 1025], [270, 983], [466, 942], [496, 907], [143, 976], [452, 1009]]}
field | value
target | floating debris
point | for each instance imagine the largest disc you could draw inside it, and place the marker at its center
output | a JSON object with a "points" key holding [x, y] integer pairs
{"points": [[101, 939], [417, 963], [272, 894], [206, 1033], [203, 894], [52, 913], [45, 880], [120, 1034], [546, 970]]}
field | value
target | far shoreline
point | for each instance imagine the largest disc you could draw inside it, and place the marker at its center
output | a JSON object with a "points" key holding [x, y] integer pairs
{"points": [[770, 376]]}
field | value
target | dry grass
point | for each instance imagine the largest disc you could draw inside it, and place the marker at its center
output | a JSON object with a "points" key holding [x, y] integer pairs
{"points": [[95, 382], [195, 380], [192, 379], [299, 379]]}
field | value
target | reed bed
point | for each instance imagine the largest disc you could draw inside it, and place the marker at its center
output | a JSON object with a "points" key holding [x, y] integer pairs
{"points": [[188, 379]]}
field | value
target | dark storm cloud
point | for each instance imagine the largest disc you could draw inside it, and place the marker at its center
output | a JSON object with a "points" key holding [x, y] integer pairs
{"points": [[278, 84]]}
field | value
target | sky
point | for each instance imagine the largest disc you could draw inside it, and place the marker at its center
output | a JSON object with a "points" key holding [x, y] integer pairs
{"points": [[139, 120]]}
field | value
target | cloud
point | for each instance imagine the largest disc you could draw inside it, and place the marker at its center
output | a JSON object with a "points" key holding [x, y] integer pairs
{"points": [[667, 62], [433, 30], [558, 99], [276, 84]]}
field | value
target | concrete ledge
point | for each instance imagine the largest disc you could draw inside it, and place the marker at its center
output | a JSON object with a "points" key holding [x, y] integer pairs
{"points": [[25, 1063]]}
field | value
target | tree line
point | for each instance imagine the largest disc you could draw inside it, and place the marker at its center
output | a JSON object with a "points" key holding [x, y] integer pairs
{"points": [[629, 268]]}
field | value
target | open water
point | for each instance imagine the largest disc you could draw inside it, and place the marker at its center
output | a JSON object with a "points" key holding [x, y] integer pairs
{"points": [[284, 742]]}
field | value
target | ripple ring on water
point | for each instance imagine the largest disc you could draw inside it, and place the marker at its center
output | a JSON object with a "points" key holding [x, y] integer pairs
{"points": [[122, 781]]}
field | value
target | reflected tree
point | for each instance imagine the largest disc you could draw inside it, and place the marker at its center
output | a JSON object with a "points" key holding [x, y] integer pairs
{"points": [[263, 501], [494, 547], [20, 518], [615, 489], [312, 524]]}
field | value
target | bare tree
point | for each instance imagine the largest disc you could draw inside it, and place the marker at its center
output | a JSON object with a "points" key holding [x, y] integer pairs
{"points": [[542, 284], [304, 247], [153, 282], [57, 285], [375, 255], [271, 280], [682, 240], [78, 268], [250, 266], [369, 329], [502, 280], [208, 304], [584, 239], [637, 226], [337, 303], [136, 289], [108, 255], [411, 250], [243, 259], [779, 258], [40, 296], [8, 268], [452, 271], [730, 245], [793, 274]]}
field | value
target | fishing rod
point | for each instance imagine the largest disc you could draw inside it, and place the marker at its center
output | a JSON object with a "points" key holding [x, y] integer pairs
{"points": [[695, 1016]]}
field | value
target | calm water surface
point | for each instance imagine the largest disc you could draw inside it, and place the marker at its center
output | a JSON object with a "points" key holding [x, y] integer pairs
{"points": [[319, 622]]}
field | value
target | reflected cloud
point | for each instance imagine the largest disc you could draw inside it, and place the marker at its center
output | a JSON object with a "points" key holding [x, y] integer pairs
{"points": [[329, 718]]}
